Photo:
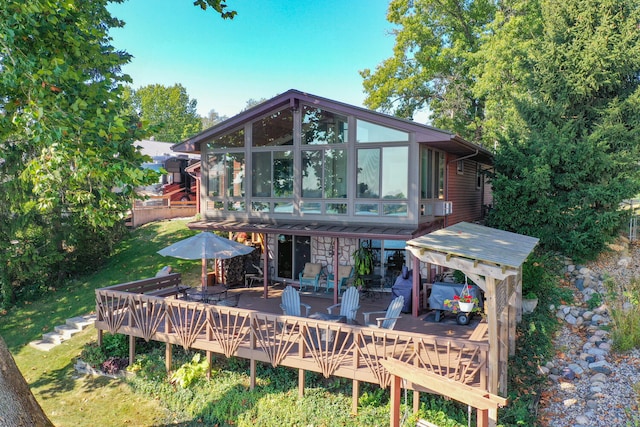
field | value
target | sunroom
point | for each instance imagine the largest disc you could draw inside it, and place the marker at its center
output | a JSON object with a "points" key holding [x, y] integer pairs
{"points": [[312, 180]]}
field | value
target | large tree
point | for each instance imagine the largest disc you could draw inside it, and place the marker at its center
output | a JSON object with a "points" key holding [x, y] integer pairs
{"points": [[168, 110], [68, 165], [432, 62], [553, 85], [564, 175], [65, 143]]}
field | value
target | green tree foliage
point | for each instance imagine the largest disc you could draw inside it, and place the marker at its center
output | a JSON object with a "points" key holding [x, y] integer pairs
{"points": [[432, 62], [65, 144], [553, 85], [170, 113], [212, 119], [563, 177]]}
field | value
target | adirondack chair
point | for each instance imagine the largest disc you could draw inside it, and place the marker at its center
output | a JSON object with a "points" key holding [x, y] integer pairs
{"points": [[310, 276], [291, 305], [345, 272], [390, 316], [349, 305]]}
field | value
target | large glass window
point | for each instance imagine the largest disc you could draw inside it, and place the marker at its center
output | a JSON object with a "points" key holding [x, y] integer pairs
{"points": [[233, 139], [215, 163], [312, 174], [432, 170], [323, 127], [234, 176], [335, 174], [383, 173], [226, 177], [282, 173], [324, 174], [274, 130], [261, 175], [272, 174], [369, 132], [369, 173], [395, 175]]}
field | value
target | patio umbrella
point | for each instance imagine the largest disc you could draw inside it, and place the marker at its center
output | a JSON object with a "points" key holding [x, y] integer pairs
{"points": [[206, 245]]}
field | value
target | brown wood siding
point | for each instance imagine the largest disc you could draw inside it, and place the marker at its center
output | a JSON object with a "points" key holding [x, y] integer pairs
{"points": [[463, 193]]}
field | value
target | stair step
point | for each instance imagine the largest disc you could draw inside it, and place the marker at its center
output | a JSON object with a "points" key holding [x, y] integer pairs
{"points": [[42, 345], [53, 337], [63, 332], [81, 322], [66, 331]]}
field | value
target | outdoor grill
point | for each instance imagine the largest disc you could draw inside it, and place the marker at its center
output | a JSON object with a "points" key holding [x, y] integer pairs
{"points": [[441, 291]]}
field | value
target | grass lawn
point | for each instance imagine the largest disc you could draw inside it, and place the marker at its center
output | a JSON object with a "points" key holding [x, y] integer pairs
{"points": [[69, 399]]}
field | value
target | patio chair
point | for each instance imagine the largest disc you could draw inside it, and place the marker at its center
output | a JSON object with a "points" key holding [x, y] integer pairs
{"points": [[310, 276], [390, 316], [254, 277], [291, 305], [345, 272], [350, 304]]}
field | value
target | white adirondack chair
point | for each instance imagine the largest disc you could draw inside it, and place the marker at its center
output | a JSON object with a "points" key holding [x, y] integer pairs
{"points": [[349, 305], [390, 316], [291, 305]]}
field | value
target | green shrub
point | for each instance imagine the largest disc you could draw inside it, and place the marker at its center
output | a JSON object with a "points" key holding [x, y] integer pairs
{"points": [[624, 303], [595, 301], [189, 372]]}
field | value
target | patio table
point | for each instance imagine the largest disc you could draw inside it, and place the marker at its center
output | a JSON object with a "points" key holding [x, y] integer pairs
{"points": [[210, 295], [327, 336]]}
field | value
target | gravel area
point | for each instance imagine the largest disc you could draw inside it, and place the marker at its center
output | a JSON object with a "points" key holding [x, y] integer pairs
{"points": [[590, 385]]}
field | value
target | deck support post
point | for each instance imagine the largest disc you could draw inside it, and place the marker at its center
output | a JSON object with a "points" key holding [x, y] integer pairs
{"points": [[355, 393], [396, 383], [132, 349], [265, 265], [415, 295], [301, 378], [100, 334], [168, 356], [252, 374], [209, 363], [482, 418]]}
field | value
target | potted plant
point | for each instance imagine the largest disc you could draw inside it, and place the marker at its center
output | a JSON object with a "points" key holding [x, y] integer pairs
{"points": [[529, 302], [533, 274], [464, 302], [363, 261]]}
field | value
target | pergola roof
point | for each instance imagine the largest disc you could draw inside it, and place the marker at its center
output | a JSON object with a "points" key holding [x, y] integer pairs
{"points": [[478, 243]]}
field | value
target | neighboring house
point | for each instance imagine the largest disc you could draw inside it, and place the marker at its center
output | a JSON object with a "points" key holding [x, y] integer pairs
{"points": [[318, 178], [175, 192]]}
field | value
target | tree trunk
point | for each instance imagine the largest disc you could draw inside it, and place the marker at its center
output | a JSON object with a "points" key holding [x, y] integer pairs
{"points": [[18, 406]]}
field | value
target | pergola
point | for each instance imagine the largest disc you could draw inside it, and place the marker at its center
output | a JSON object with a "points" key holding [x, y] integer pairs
{"points": [[493, 259]]}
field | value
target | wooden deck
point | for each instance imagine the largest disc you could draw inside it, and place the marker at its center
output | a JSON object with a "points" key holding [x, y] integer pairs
{"points": [[257, 330]]}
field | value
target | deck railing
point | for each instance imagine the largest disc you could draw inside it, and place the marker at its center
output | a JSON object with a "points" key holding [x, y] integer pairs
{"points": [[333, 349]]}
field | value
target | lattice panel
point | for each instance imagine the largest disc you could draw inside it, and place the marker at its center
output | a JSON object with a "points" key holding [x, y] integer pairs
{"points": [[112, 310], [275, 338], [229, 327], [501, 296], [147, 314], [377, 345], [187, 321], [328, 345]]}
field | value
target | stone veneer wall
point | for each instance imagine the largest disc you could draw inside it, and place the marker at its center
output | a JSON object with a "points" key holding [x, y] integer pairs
{"points": [[322, 251]]}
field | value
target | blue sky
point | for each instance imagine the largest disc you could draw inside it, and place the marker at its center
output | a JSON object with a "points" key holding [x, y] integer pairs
{"points": [[269, 47]]}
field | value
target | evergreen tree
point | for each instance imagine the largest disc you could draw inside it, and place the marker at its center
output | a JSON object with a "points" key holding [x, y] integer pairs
{"points": [[564, 176]]}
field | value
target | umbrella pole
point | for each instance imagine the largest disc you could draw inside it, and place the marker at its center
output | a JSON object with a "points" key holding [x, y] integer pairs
{"points": [[204, 275]]}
